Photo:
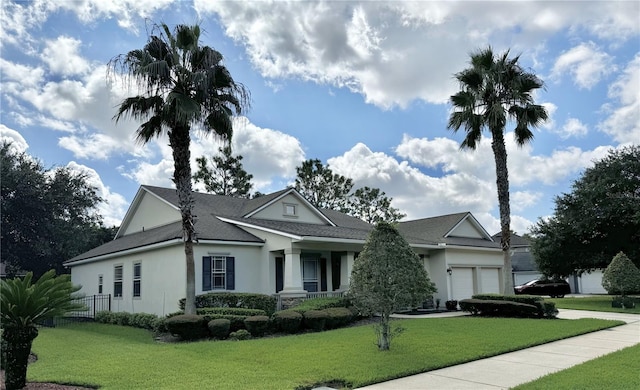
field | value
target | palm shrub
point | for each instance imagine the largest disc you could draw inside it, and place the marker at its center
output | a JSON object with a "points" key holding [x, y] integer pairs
{"points": [[24, 304]]}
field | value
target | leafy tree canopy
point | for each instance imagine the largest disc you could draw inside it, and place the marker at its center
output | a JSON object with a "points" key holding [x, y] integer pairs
{"points": [[320, 186], [48, 216], [372, 206], [598, 219], [324, 189], [226, 175], [388, 276]]}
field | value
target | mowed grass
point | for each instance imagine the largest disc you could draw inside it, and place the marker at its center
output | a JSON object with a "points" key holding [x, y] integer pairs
{"points": [[617, 370], [114, 357], [592, 303]]}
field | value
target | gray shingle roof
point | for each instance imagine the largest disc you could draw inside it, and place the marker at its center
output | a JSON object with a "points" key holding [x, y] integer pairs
{"points": [[208, 208]]}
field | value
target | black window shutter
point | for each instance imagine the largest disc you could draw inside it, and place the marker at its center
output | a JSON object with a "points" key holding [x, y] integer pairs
{"points": [[323, 274], [206, 273], [231, 273]]}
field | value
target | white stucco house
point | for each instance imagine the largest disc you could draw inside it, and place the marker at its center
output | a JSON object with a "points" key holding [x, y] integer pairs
{"points": [[275, 244]]}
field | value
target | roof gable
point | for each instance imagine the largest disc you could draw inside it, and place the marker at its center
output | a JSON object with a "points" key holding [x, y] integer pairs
{"points": [[468, 227], [147, 211], [290, 206]]}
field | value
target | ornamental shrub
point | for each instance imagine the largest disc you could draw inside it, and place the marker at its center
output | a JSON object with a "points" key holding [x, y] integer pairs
{"points": [[338, 317], [545, 309], [288, 321], [237, 322], [257, 325], [320, 304], [315, 319], [219, 328], [621, 276], [241, 334], [234, 311], [103, 317], [235, 300], [188, 327], [499, 308]]}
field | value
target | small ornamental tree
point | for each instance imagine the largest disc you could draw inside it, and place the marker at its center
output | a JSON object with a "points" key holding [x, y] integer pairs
{"points": [[621, 276], [388, 276], [24, 304]]}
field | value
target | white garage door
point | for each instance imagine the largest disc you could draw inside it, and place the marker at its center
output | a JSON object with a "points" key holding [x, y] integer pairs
{"points": [[592, 283], [462, 283], [490, 280]]}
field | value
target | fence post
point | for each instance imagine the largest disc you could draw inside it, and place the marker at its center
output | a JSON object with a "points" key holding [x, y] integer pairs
{"points": [[94, 306], [109, 295]]}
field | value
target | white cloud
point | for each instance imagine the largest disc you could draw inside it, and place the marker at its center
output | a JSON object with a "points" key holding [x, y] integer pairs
{"points": [[61, 55], [92, 146], [572, 127], [623, 122], [586, 63], [269, 155], [17, 141], [395, 52], [414, 193], [114, 206], [524, 167], [522, 200]]}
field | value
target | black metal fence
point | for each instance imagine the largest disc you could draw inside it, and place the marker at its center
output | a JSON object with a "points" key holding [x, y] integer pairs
{"points": [[92, 304]]}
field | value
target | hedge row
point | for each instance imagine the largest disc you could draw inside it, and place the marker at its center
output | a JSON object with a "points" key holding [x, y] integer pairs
{"points": [[136, 320], [320, 304], [512, 306], [192, 327], [263, 302]]}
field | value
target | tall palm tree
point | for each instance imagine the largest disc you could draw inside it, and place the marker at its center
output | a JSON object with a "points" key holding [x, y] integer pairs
{"points": [[495, 90], [182, 86]]}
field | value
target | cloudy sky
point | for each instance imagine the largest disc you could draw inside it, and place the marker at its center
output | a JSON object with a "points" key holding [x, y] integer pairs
{"points": [[363, 86]]}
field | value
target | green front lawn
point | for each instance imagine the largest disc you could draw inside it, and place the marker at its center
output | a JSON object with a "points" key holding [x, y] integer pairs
{"points": [[618, 370], [115, 357], [593, 303]]}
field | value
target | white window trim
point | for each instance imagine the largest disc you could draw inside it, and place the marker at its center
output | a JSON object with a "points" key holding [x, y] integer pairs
{"points": [[286, 207], [121, 281], [136, 279], [215, 272]]}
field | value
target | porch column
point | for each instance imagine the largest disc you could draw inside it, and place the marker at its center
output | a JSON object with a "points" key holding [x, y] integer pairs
{"points": [[346, 265], [292, 273]]}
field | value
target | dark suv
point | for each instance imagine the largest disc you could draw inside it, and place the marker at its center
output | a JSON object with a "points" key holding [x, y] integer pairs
{"points": [[553, 288]]}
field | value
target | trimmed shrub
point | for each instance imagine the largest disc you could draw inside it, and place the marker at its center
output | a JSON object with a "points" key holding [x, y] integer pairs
{"points": [[320, 304], [621, 277], [237, 322], [103, 317], [241, 334], [121, 318], [338, 316], [545, 309], [315, 319], [219, 328], [498, 308], [188, 327], [257, 325], [628, 302], [160, 325], [235, 300], [233, 311], [143, 320], [288, 321]]}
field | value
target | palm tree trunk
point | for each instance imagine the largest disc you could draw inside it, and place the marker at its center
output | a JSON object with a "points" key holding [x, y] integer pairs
{"points": [[16, 348], [502, 182], [179, 140]]}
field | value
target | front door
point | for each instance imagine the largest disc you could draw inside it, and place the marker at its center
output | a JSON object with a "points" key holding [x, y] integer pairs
{"points": [[279, 274]]}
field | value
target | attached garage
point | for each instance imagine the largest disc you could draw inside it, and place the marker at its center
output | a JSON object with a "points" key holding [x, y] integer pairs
{"points": [[462, 282], [490, 280], [591, 283]]}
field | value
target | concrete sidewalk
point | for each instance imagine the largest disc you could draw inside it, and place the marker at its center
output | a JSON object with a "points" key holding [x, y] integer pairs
{"points": [[514, 368]]}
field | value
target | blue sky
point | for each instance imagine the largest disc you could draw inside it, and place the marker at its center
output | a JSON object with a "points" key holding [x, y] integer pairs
{"points": [[363, 86]]}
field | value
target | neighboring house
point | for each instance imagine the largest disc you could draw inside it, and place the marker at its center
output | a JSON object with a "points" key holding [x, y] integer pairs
{"points": [[274, 244], [525, 269]]}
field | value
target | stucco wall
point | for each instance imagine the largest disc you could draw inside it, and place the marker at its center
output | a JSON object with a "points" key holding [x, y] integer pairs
{"points": [[151, 212], [162, 281]]}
